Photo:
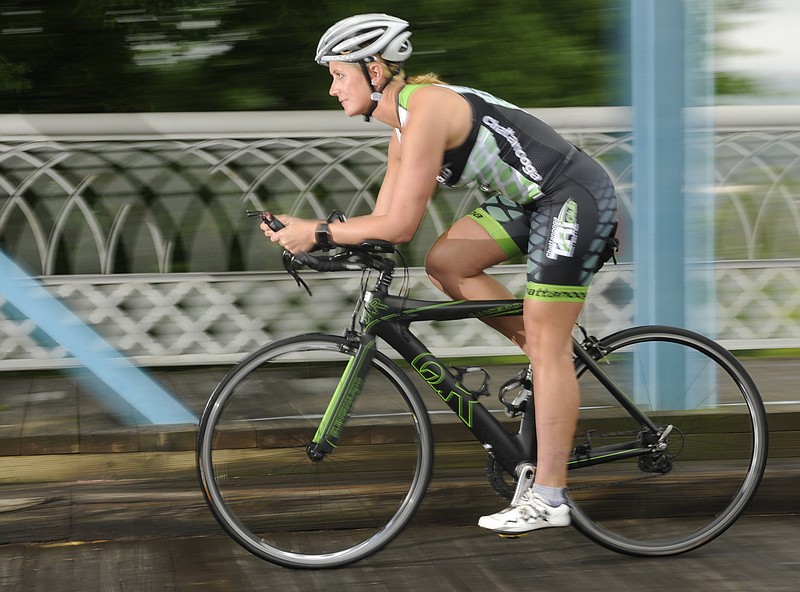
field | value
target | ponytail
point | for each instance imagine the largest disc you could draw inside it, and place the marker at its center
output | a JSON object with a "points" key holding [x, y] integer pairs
{"points": [[428, 78]]}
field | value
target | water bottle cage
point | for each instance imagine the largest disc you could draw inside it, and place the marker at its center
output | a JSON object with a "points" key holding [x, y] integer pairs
{"points": [[483, 389]]}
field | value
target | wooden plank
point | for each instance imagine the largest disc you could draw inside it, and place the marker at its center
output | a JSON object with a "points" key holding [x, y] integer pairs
{"points": [[100, 429], [51, 417], [14, 389], [169, 438]]}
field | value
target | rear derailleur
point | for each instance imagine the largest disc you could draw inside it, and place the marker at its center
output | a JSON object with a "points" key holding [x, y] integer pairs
{"points": [[658, 461]]}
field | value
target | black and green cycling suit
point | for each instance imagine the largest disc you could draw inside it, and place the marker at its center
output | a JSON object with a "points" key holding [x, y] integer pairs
{"points": [[550, 199]]}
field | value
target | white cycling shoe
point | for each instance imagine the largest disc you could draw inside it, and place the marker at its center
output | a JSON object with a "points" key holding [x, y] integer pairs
{"points": [[530, 513]]}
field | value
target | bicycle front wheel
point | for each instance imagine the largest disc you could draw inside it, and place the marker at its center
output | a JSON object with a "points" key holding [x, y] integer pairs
{"points": [[281, 505], [714, 434]]}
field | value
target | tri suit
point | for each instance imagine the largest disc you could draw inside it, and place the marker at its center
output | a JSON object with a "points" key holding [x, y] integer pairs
{"points": [[550, 200]]}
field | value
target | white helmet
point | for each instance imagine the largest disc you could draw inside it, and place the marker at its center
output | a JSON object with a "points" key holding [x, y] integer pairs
{"points": [[359, 38]]}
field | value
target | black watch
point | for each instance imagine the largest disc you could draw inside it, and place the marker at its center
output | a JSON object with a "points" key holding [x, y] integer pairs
{"points": [[322, 236]]}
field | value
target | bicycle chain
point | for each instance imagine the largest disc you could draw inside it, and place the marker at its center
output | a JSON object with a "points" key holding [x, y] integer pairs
{"points": [[503, 489]]}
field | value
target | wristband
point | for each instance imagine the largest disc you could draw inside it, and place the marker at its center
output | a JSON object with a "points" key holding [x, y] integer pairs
{"points": [[322, 236]]}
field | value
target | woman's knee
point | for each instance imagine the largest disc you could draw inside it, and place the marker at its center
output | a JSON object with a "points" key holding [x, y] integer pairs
{"points": [[441, 260], [548, 328], [464, 250], [449, 265]]}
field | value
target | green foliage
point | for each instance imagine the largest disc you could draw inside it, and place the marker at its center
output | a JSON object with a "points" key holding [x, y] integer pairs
{"points": [[184, 55], [731, 84], [64, 59], [13, 77], [217, 55]]}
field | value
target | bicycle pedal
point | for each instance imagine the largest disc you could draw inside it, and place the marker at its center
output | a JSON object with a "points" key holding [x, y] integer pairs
{"points": [[510, 536], [522, 383]]}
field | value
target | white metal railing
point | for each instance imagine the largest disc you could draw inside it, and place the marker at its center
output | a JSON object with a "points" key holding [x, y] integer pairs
{"points": [[179, 319], [294, 124], [135, 220]]}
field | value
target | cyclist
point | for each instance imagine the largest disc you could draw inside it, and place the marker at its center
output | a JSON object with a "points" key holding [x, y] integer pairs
{"points": [[548, 200]]}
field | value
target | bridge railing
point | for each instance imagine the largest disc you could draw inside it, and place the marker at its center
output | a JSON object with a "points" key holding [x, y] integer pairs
{"points": [[137, 222]]}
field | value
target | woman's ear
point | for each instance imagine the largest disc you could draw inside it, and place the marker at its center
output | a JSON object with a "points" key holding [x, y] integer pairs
{"points": [[376, 73]]}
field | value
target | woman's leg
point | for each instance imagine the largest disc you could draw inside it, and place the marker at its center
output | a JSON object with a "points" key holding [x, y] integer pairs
{"points": [[568, 232], [548, 327], [456, 265]]}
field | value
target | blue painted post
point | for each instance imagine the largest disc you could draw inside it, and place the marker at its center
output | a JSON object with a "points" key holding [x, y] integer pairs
{"points": [[701, 314], [664, 39], [136, 398], [657, 64]]}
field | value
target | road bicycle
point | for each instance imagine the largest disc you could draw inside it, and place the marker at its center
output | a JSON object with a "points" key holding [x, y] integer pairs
{"points": [[315, 451]]}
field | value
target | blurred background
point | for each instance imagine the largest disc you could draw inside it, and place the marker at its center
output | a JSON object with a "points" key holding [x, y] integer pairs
{"points": [[106, 56], [98, 56], [134, 134]]}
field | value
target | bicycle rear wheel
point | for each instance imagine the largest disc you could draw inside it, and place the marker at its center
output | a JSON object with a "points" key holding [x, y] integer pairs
{"points": [[676, 500], [282, 506]]}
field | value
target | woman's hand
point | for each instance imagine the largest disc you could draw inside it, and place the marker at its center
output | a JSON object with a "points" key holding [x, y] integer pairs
{"points": [[297, 236]]}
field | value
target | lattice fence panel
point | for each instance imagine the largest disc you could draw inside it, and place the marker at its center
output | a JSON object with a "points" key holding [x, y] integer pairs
{"points": [[210, 319]]}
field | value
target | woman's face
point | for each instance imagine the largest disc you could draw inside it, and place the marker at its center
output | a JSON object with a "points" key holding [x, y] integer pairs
{"points": [[350, 87]]}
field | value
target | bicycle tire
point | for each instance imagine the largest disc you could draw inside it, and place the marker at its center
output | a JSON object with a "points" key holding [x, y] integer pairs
{"points": [[716, 455], [280, 505]]}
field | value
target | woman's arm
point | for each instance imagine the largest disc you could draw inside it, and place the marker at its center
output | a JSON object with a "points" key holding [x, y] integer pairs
{"points": [[408, 185], [384, 198]]}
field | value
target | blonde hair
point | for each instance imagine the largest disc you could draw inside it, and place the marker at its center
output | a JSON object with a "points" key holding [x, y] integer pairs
{"points": [[394, 69], [427, 78]]}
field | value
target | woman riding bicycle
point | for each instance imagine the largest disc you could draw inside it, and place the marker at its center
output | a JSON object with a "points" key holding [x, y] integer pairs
{"points": [[548, 200]]}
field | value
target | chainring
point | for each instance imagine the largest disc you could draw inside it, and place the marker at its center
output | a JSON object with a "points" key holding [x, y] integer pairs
{"points": [[501, 481]]}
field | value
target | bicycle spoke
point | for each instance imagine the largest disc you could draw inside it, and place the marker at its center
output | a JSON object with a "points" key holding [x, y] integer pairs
{"points": [[266, 490], [675, 500]]}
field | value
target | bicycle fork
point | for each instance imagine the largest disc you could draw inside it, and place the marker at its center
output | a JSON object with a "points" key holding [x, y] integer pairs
{"points": [[348, 389]]}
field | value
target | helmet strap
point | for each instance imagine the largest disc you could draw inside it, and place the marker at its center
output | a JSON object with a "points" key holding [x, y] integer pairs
{"points": [[376, 94]]}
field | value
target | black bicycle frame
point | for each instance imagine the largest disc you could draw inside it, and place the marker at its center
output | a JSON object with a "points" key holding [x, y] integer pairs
{"points": [[389, 317]]}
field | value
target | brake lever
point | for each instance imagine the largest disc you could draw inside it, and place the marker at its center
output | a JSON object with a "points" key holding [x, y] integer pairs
{"points": [[289, 265], [288, 258]]}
